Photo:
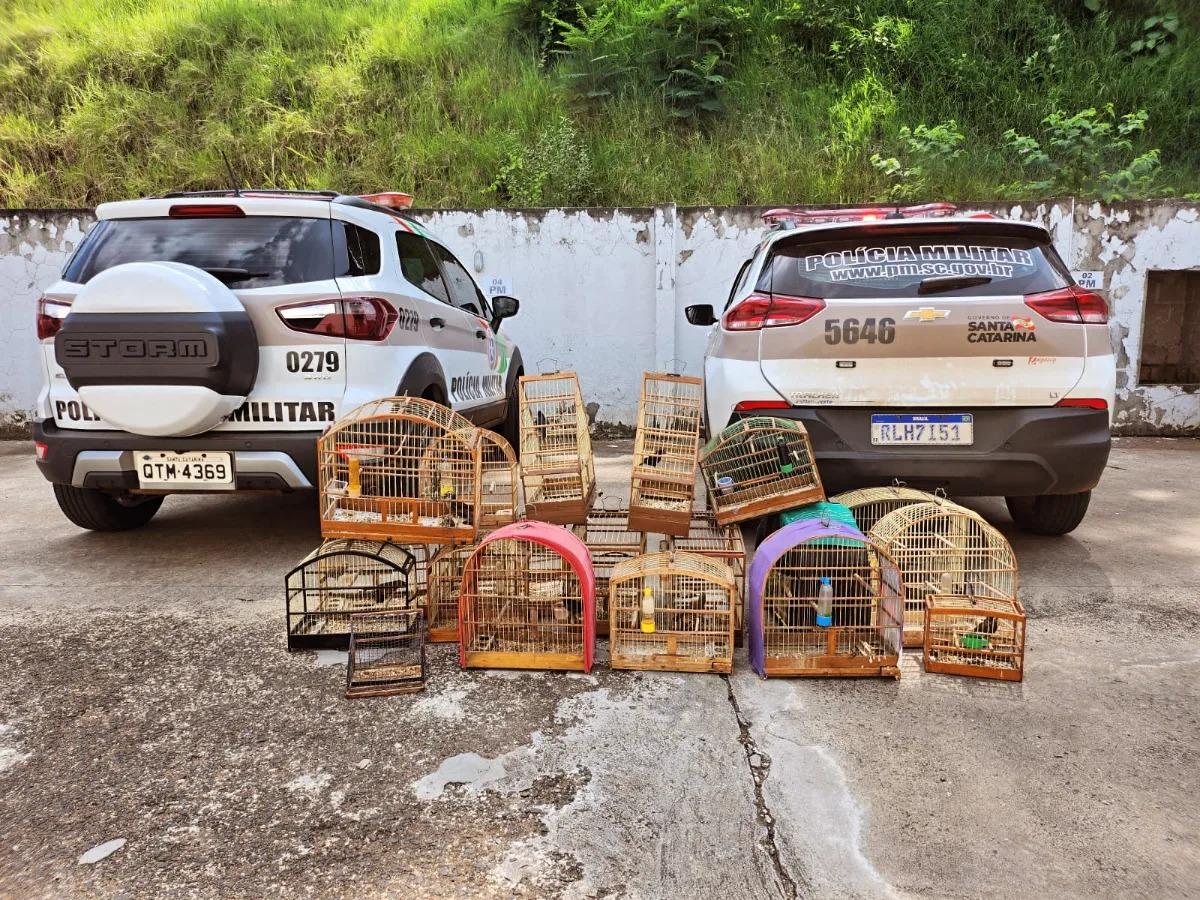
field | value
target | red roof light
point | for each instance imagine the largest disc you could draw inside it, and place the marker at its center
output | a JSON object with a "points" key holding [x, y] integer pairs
{"points": [[798, 216], [205, 211], [390, 199]]}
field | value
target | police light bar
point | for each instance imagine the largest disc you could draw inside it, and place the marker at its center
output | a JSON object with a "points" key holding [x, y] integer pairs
{"points": [[390, 199], [792, 217]]}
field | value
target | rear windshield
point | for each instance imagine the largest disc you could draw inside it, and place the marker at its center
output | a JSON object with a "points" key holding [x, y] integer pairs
{"points": [[250, 252], [876, 265]]}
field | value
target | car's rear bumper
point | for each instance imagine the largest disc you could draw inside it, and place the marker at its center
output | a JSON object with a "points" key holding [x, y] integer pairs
{"points": [[1018, 451], [263, 460]]}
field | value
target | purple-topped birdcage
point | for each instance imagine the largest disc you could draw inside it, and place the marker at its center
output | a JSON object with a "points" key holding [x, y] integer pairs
{"points": [[824, 600]]}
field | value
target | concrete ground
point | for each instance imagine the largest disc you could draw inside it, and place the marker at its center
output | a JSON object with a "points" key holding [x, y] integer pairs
{"points": [[145, 695]]}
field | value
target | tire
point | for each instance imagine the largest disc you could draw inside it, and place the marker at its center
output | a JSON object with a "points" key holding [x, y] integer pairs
{"points": [[97, 511], [511, 429], [1050, 513]]}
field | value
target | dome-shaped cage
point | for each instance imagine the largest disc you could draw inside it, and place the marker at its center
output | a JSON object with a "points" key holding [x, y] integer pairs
{"points": [[342, 577], [445, 579], [824, 600], [869, 505], [557, 469], [759, 466], [609, 540], [527, 601], [944, 548], [665, 451], [672, 611], [499, 474], [400, 468], [724, 543], [975, 636]]}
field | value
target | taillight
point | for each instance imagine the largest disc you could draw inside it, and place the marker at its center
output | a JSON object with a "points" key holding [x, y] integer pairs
{"points": [[1084, 402], [50, 315], [771, 311], [746, 406], [1070, 304], [356, 318], [205, 211], [42, 450]]}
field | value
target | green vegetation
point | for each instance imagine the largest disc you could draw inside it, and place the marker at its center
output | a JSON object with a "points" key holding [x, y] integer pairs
{"points": [[552, 102]]}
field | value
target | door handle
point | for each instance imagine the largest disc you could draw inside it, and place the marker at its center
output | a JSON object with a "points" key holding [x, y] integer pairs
{"points": [[437, 322], [481, 334]]}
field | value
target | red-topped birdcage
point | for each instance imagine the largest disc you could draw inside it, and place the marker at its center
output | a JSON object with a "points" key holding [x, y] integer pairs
{"points": [[610, 540], [665, 450]]}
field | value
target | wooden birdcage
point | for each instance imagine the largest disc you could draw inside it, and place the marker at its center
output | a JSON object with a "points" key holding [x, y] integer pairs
{"points": [[499, 474], [527, 601], [944, 548], [709, 538], [609, 540], [673, 612], [557, 469], [445, 578], [975, 636], [824, 600], [403, 469], [869, 505], [387, 654], [759, 466], [338, 579], [665, 452]]}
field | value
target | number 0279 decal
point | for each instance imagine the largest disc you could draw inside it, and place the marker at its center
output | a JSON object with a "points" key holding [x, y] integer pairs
{"points": [[313, 361], [851, 331]]}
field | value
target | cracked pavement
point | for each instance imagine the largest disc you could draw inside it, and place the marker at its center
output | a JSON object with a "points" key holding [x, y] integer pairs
{"points": [[145, 695]]}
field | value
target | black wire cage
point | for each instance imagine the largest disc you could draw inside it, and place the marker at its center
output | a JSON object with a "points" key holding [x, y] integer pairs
{"points": [[339, 579], [387, 654]]}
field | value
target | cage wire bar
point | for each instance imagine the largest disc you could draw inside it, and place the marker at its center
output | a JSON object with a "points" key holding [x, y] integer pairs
{"points": [[944, 548], [708, 537], [557, 468], [387, 654], [400, 468], [665, 451], [759, 466], [499, 476], [339, 578], [786, 634], [672, 612], [974, 636], [527, 601], [609, 540], [869, 505]]}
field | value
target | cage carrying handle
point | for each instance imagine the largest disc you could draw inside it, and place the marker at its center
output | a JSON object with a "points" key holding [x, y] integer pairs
{"points": [[616, 502], [676, 366], [542, 370]]}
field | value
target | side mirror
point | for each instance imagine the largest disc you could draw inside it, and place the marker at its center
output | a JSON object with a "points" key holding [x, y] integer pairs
{"points": [[503, 307], [700, 314]]}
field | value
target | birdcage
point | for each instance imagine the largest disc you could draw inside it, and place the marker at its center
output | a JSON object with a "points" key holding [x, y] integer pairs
{"points": [[708, 537], [400, 468], [338, 579], [869, 505], [387, 654], [498, 477], [672, 611], [527, 601], [824, 600], [944, 548], [759, 466], [445, 578], [975, 636], [665, 450], [556, 449], [609, 540]]}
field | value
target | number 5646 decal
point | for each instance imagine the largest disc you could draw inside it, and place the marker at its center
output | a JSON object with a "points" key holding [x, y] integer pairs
{"points": [[851, 331]]}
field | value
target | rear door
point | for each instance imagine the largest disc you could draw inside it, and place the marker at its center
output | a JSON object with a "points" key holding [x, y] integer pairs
{"points": [[920, 315]]}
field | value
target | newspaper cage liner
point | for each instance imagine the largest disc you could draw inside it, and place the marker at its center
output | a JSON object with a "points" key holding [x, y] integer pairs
{"points": [[665, 452], [976, 637], [557, 469], [759, 466], [944, 548], [869, 505], [691, 608], [387, 654], [864, 633], [709, 538], [527, 601], [338, 579], [609, 540], [400, 468]]}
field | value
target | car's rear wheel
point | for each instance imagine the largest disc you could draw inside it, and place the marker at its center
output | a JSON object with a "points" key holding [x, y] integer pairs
{"points": [[511, 429], [99, 511], [1050, 513]]}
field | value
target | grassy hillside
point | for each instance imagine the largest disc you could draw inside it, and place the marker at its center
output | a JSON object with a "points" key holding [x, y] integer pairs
{"points": [[542, 102]]}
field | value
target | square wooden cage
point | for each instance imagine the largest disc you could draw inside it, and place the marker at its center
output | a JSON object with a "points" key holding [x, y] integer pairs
{"points": [[387, 654], [869, 505], [609, 540], [672, 611], [665, 451], [338, 579], [944, 548], [708, 537], [973, 636], [403, 469], [557, 468], [824, 600], [527, 601], [759, 466]]}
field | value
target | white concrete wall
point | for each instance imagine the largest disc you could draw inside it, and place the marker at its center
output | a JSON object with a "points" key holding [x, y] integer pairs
{"points": [[603, 290]]}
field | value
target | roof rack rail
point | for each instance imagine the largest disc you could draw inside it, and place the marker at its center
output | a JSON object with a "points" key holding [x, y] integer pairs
{"points": [[255, 192], [793, 217]]}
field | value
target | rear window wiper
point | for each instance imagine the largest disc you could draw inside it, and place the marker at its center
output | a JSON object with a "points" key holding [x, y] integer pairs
{"points": [[230, 273], [939, 283]]}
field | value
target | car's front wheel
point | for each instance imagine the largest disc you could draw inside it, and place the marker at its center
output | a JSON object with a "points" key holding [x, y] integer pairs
{"points": [[99, 511], [1050, 513]]}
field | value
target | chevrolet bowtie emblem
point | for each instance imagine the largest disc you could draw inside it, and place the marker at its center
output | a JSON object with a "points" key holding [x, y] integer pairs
{"points": [[927, 314]]}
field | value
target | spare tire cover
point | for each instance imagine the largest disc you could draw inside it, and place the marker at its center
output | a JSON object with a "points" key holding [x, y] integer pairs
{"points": [[158, 348]]}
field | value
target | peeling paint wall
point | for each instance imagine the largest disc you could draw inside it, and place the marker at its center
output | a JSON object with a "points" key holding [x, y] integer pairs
{"points": [[603, 290]]}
